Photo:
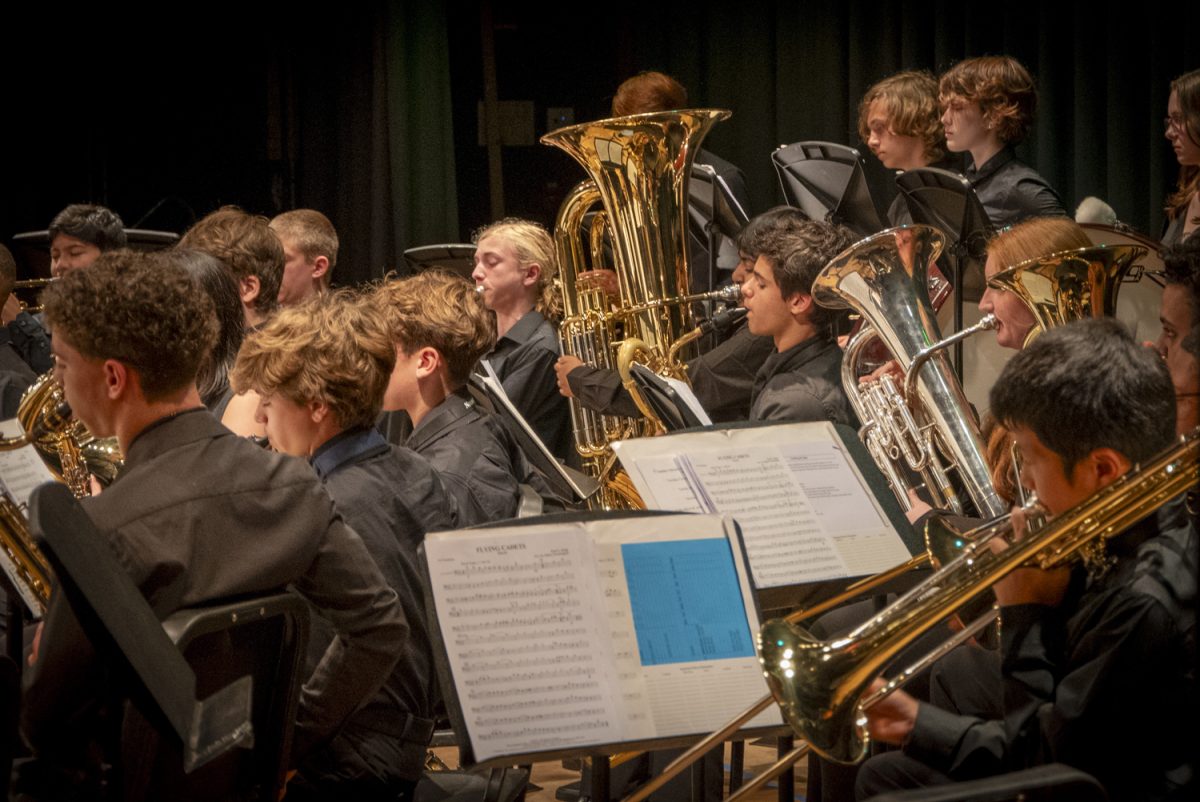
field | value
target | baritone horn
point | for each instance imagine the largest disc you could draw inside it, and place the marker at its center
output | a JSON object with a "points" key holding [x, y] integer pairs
{"points": [[638, 169], [1070, 285], [931, 428]]}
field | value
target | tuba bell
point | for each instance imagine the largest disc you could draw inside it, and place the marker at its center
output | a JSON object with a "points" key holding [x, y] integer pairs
{"points": [[638, 168], [884, 279]]}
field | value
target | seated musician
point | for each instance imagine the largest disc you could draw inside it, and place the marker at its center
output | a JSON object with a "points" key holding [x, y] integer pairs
{"points": [[900, 121], [197, 514], [801, 380], [987, 109], [1179, 342], [310, 248], [320, 370], [78, 235], [1183, 132], [213, 277], [440, 329], [1089, 653], [722, 377], [515, 266], [252, 253], [15, 374]]}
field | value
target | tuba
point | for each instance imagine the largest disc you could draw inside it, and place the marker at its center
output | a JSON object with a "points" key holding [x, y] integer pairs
{"points": [[1069, 285], [639, 168], [884, 279]]}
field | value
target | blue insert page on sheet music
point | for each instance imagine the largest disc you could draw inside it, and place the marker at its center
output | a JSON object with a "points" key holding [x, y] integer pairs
{"points": [[687, 605]]}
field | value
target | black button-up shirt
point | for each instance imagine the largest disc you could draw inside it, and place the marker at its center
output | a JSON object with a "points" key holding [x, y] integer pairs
{"points": [[1012, 191], [803, 383]]}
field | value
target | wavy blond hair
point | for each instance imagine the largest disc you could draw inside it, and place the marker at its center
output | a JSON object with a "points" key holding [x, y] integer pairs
{"points": [[533, 245]]}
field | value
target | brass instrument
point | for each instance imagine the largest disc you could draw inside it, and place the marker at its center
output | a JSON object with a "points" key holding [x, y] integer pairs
{"points": [[884, 278], [69, 450], [32, 283], [1070, 285], [639, 168], [819, 684], [23, 561]]}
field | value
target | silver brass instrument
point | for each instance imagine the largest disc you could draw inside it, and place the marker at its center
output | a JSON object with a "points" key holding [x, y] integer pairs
{"points": [[819, 684], [639, 168], [1070, 285], [931, 427]]}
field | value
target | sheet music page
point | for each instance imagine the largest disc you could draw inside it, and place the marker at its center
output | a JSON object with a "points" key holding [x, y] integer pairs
{"points": [[845, 509], [804, 509], [688, 396], [682, 623], [522, 619], [22, 469]]}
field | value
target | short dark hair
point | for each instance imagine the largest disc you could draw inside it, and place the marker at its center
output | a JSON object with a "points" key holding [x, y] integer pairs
{"points": [[798, 249], [1088, 385], [246, 244], [92, 224], [141, 309], [750, 238], [1182, 265], [213, 276]]}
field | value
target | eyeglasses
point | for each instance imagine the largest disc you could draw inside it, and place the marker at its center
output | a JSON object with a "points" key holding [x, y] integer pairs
{"points": [[1175, 123]]}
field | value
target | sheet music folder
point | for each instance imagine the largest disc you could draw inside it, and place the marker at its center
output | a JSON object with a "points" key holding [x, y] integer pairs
{"points": [[592, 634], [813, 509]]}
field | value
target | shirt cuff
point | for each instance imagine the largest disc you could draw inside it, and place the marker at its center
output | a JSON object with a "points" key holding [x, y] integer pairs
{"points": [[935, 736]]}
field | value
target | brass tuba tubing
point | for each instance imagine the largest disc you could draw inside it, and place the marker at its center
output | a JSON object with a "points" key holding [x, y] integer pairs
{"points": [[818, 684]]}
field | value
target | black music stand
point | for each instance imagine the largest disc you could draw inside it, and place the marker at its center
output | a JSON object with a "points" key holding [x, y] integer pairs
{"points": [[827, 181], [715, 215], [947, 201], [456, 257]]}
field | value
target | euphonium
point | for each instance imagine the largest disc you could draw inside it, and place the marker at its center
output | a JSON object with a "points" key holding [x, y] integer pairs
{"points": [[884, 279], [69, 450], [638, 168], [1070, 285], [819, 684]]}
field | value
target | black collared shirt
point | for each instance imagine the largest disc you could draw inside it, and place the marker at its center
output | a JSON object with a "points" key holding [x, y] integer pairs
{"points": [[199, 514], [802, 383], [479, 464], [392, 497], [1114, 657], [1012, 191], [524, 361]]}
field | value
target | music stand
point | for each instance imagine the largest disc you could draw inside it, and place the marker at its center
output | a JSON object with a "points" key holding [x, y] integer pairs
{"points": [[715, 214], [455, 257], [827, 181], [674, 412], [947, 201]]}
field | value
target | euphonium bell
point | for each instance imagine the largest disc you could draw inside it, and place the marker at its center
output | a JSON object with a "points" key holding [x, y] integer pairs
{"points": [[1069, 285]]}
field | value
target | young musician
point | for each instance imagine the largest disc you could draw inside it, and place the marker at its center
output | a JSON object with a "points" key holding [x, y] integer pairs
{"points": [[1183, 131], [801, 381], [988, 104], [722, 378], [320, 370], [251, 251], [196, 514], [515, 270], [1085, 403], [310, 248], [15, 373], [210, 273], [899, 120], [1179, 343], [1040, 236], [440, 329]]}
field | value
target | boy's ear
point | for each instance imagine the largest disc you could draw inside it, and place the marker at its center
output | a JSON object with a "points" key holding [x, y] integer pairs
{"points": [[799, 303], [429, 359]]}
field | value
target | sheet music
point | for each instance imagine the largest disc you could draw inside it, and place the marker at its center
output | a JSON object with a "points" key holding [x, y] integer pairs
{"points": [[805, 511], [574, 635], [22, 469], [688, 396], [522, 630]]}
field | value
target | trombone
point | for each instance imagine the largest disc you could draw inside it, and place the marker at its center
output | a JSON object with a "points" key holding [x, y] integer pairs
{"points": [[819, 684], [32, 283]]}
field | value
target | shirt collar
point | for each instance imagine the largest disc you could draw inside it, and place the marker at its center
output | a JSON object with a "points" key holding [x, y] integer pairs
{"points": [[524, 328], [348, 446], [170, 431], [991, 166]]}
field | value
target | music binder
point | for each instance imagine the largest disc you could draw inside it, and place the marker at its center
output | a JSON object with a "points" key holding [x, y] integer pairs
{"points": [[813, 509], [592, 634], [671, 399]]}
